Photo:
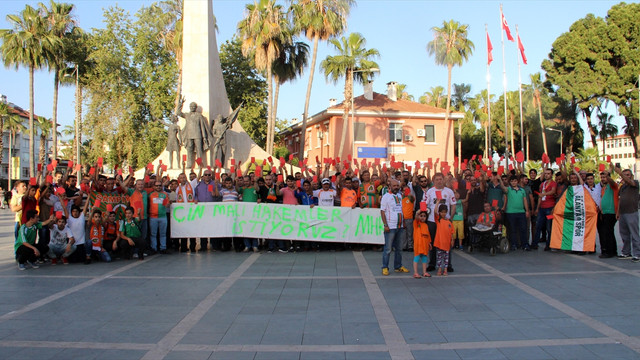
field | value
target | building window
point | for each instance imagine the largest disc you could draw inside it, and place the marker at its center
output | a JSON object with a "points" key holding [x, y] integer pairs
{"points": [[359, 132], [395, 132], [308, 140], [326, 134], [25, 172], [430, 133]]}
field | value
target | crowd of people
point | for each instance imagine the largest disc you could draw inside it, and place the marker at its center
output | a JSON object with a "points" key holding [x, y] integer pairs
{"points": [[427, 208]]}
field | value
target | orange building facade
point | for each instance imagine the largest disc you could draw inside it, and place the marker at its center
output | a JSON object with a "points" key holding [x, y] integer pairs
{"points": [[378, 128]]}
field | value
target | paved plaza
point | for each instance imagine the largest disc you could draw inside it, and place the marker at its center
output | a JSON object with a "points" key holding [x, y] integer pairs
{"points": [[326, 305]]}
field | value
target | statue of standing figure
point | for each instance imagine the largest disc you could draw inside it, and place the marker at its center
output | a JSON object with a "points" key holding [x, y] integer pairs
{"points": [[173, 140], [196, 134], [219, 131]]}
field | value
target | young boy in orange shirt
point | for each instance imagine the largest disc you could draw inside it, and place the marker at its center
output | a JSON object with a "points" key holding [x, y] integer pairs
{"points": [[421, 244], [444, 240]]}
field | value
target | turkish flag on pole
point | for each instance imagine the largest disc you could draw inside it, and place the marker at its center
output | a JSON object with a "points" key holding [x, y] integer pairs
{"points": [[521, 47], [505, 26], [489, 50]]}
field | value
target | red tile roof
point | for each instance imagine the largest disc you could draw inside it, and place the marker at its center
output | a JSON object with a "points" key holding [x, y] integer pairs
{"points": [[381, 102]]}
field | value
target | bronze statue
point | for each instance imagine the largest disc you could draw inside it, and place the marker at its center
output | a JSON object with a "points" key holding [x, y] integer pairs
{"points": [[196, 134], [219, 130], [173, 140]]}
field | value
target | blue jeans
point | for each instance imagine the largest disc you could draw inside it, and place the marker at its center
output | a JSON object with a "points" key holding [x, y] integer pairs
{"points": [[250, 243], [543, 224], [393, 239], [518, 230], [158, 226]]}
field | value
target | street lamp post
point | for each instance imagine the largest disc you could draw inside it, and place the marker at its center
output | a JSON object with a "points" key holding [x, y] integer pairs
{"points": [[560, 131], [353, 110]]}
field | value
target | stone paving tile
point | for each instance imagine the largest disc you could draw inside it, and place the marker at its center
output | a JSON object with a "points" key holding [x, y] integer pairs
{"points": [[526, 353], [613, 351], [322, 356], [233, 355], [367, 356], [275, 355], [189, 355], [480, 354], [571, 352], [435, 354]]}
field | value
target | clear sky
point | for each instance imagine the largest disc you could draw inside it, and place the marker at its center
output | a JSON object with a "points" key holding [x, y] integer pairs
{"points": [[399, 29]]}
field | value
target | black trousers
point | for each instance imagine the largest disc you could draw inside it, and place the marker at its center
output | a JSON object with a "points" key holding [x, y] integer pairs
{"points": [[25, 253], [608, 244], [183, 244], [126, 250]]}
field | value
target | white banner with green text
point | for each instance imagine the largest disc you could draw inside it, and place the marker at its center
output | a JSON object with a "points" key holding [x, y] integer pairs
{"points": [[277, 221]]}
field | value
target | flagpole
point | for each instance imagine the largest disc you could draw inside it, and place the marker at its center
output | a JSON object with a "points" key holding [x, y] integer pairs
{"points": [[504, 90], [520, 91], [489, 154]]}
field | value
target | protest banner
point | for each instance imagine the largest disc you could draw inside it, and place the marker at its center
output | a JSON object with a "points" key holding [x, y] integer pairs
{"points": [[117, 201], [574, 221], [277, 221]]}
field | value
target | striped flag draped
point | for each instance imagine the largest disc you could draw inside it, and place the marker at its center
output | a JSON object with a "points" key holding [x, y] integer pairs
{"points": [[575, 217]]}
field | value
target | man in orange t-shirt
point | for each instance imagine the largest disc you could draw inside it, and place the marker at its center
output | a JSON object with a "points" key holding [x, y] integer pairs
{"points": [[348, 196], [408, 200]]}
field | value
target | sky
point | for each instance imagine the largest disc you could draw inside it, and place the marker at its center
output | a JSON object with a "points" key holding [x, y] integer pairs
{"points": [[398, 29]]}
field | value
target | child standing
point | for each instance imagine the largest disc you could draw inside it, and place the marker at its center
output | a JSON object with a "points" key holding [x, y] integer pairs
{"points": [[444, 240], [110, 232], [96, 234], [458, 219], [421, 244]]}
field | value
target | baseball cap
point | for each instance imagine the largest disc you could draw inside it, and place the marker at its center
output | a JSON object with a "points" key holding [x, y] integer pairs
{"points": [[326, 181]]}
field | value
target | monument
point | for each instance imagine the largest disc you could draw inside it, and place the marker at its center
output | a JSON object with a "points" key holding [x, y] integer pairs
{"points": [[203, 84]]}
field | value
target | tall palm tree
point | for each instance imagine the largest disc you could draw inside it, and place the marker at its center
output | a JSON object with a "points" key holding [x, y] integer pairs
{"points": [[45, 126], [27, 44], [460, 101], [60, 23], [352, 55], [263, 31], [13, 123], [450, 47], [319, 20], [287, 67], [538, 89], [479, 106], [434, 97], [606, 128], [402, 93], [4, 113]]}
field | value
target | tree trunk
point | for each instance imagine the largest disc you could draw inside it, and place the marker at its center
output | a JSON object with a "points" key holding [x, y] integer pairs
{"points": [[303, 135], [544, 134], [1, 139], [276, 94], [179, 87], [269, 108], [459, 142], [348, 93], [446, 114], [32, 149], [513, 145], [43, 156], [487, 150], [78, 123], [54, 116], [603, 146], [592, 129], [11, 136]]}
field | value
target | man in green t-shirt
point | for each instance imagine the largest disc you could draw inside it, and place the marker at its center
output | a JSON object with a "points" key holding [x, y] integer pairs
{"points": [[517, 213], [27, 251], [249, 189]]}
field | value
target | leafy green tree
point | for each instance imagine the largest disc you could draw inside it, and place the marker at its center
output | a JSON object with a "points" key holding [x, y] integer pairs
{"points": [[460, 101], [402, 93], [60, 23], [352, 55], [479, 107], [13, 123], [579, 67], [171, 38], [450, 47], [537, 91], [319, 20], [27, 44], [263, 31], [246, 85], [45, 126]]}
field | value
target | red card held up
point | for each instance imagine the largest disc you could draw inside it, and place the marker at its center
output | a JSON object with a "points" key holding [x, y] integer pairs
{"points": [[78, 167], [270, 160], [477, 174], [70, 164], [163, 167], [60, 190], [210, 187], [355, 171], [239, 173], [54, 162], [184, 158], [50, 167], [463, 166], [97, 203], [232, 169], [258, 170], [473, 157], [608, 158], [33, 181], [298, 183], [333, 178], [199, 161], [253, 159], [58, 214], [150, 166], [218, 163], [349, 157], [407, 191], [273, 169], [423, 206], [519, 157], [49, 179], [494, 203], [290, 157], [573, 160], [100, 161], [601, 167], [455, 185], [468, 186], [439, 195], [39, 167], [233, 161], [315, 178], [109, 207], [280, 178], [146, 179], [218, 176]]}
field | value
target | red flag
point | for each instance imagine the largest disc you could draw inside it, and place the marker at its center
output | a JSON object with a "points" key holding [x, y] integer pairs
{"points": [[489, 50], [423, 206], [505, 27], [521, 47]]}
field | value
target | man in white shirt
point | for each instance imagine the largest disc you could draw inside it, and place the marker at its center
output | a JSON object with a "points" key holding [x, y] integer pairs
{"points": [[436, 196], [595, 190], [392, 218], [326, 196]]}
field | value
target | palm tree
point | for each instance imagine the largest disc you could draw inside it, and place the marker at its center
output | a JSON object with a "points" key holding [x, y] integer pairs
{"points": [[434, 97], [450, 47], [479, 106], [263, 31], [460, 102], [606, 128], [319, 20], [45, 126], [287, 67], [352, 55], [402, 93], [538, 89], [27, 44], [60, 23], [13, 123]]}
